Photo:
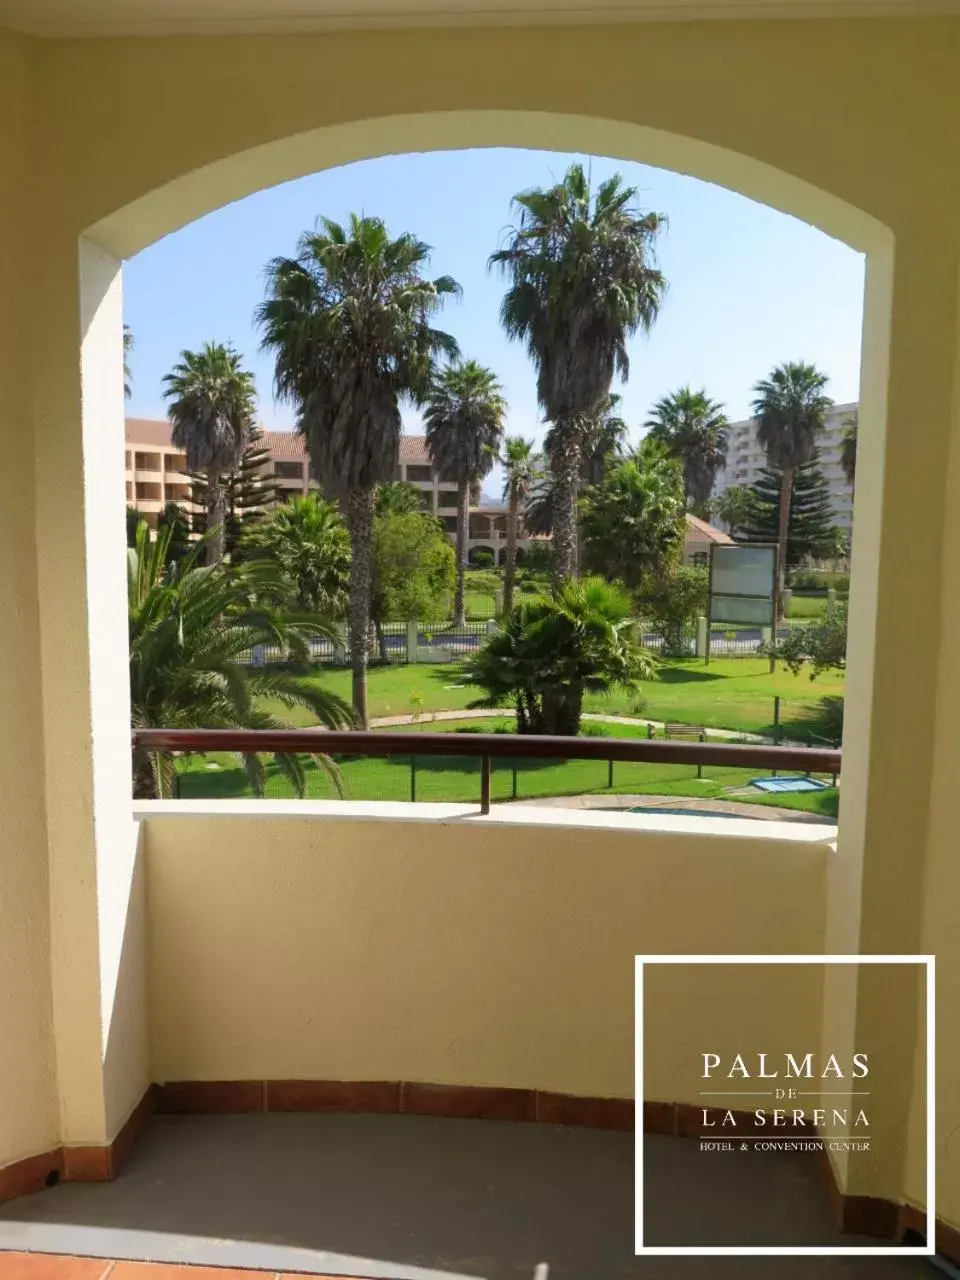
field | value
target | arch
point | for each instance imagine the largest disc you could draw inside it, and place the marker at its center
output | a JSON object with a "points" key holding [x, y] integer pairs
{"points": [[474, 559], [193, 194]]}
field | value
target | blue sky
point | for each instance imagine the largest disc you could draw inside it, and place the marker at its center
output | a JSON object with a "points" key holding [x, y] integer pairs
{"points": [[749, 287]]}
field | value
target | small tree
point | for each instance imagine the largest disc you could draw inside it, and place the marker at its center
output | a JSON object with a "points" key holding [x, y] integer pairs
{"points": [[822, 643], [414, 571], [673, 605], [734, 507], [307, 542], [554, 649], [811, 531], [633, 523]]}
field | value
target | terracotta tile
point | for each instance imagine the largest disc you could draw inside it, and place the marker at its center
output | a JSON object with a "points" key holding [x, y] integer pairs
{"points": [[210, 1097], [659, 1117], [86, 1164], [28, 1176], [351, 1096], [45, 1266], [181, 1271], [591, 1113], [468, 1102], [870, 1216], [130, 1134]]}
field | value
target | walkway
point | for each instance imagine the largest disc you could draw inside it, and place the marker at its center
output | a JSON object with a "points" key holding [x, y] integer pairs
{"points": [[482, 713]]}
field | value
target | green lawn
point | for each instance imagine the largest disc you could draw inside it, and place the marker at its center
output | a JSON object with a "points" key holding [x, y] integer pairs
{"points": [[436, 779], [730, 693], [803, 608]]}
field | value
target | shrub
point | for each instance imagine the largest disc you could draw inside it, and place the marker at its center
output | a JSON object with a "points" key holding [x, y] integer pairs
{"points": [[674, 603], [822, 643]]}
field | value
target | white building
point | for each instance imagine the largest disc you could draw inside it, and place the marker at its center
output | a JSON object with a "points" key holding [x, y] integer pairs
{"points": [[746, 459]]}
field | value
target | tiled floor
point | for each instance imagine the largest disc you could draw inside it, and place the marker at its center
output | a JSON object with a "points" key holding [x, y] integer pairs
{"points": [[399, 1197]]}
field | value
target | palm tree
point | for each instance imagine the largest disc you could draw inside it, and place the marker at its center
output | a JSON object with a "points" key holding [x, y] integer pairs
{"points": [[734, 507], [518, 461], [397, 498], [190, 626], [789, 410], [128, 345], [348, 322], [307, 542], [694, 430], [582, 281], [463, 420], [604, 438], [848, 450], [551, 651], [212, 405]]}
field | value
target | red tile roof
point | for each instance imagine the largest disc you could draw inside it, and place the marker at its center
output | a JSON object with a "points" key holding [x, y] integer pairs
{"points": [[282, 444], [699, 531]]}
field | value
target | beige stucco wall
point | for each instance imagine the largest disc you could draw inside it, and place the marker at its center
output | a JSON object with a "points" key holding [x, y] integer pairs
{"points": [[29, 1121], [453, 952]]}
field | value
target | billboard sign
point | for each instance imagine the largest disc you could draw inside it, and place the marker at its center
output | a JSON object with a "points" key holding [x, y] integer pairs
{"points": [[743, 585]]}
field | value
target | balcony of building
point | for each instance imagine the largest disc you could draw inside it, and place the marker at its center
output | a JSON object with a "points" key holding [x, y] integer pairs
{"points": [[221, 950]]}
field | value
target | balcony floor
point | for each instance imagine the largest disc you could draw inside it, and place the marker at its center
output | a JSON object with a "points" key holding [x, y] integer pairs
{"points": [[416, 1197]]}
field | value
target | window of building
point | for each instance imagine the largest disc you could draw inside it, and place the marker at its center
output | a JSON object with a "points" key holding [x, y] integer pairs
{"points": [[420, 475], [288, 470]]}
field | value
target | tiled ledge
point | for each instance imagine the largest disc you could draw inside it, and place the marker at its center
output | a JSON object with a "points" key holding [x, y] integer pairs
{"points": [[502, 815]]}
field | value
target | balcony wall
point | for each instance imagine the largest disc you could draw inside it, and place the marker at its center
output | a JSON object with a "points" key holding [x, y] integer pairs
{"points": [[285, 944]]}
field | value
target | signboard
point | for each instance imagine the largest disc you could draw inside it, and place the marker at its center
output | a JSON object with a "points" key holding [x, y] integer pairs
{"points": [[743, 585]]}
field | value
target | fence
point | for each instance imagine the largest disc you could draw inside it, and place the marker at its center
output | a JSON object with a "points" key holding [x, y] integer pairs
{"points": [[490, 767]]}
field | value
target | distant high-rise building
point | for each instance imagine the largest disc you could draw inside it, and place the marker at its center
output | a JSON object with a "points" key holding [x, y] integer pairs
{"points": [[746, 459]]}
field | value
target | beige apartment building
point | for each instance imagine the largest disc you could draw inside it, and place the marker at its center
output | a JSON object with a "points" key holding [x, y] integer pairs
{"points": [[156, 474]]}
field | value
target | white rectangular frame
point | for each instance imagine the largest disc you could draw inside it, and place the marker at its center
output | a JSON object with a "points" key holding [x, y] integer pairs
{"points": [[928, 1250]]}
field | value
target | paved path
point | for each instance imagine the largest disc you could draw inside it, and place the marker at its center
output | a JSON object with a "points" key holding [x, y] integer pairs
{"points": [[673, 804], [482, 713]]}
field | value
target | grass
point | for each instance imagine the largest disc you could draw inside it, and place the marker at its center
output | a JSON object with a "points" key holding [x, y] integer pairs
{"points": [[803, 608], [730, 693], [453, 780]]}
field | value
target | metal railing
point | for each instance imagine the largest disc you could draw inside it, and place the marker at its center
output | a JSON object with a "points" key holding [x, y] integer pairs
{"points": [[489, 747]]}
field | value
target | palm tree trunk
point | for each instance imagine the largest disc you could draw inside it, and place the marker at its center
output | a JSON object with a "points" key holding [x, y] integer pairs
{"points": [[360, 507], [565, 465], [786, 494], [144, 781], [463, 521], [216, 517], [510, 568]]}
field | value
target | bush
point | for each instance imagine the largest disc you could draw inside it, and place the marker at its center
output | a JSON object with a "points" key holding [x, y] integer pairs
{"points": [[673, 605], [823, 643], [481, 558], [818, 581]]}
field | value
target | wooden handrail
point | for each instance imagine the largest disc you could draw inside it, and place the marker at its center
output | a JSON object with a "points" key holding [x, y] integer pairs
{"points": [[751, 755]]}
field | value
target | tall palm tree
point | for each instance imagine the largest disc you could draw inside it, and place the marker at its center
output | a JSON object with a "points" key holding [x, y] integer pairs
{"points": [[190, 627], [848, 450], [789, 410], [604, 437], [694, 430], [348, 320], [518, 461], [582, 281], [463, 420], [212, 405]]}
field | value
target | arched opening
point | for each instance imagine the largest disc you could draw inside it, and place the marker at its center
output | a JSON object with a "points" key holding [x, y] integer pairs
{"points": [[178, 202]]}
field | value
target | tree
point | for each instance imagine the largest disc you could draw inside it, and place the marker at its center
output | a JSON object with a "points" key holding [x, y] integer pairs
{"points": [[673, 603], [398, 498], [348, 321], [174, 518], [212, 402], [413, 570], [128, 345], [249, 493], [190, 626], [518, 462], [633, 524], [811, 532], [734, 507], [694, 430], [551, 651], [134, 520], [463, 420], [789, 409], [307, 543], [582, 280], [602, 445], [822, 643], [848, 450]]}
